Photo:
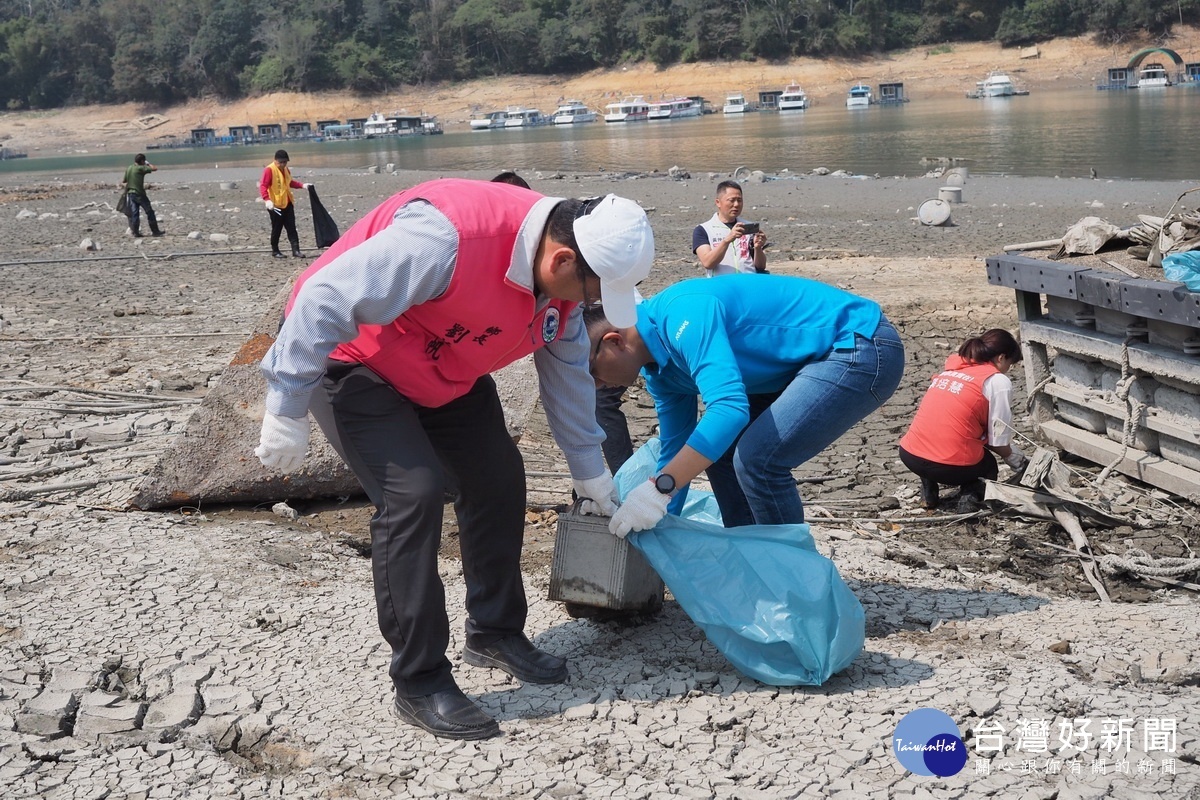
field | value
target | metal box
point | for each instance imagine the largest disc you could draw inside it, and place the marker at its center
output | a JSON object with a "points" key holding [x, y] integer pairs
{"points": [[594, 569]]}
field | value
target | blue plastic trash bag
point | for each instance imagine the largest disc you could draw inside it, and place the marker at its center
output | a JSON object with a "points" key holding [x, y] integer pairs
{"points": [[762, 594], [1184, 268]]}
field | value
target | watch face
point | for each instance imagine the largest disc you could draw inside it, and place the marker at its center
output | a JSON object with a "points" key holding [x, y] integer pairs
{"points": [[664, 483]]}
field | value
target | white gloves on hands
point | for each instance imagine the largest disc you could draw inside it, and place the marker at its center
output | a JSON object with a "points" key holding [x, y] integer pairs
{"points": [[1016, 459], [642, 509], [283, 442], [270, 206], [598, 495], [308, 186]]}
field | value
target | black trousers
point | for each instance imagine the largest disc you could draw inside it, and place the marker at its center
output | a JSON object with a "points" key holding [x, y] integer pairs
{"points": [[617, 445], [951, 474], [405, 456], [284, 218]]}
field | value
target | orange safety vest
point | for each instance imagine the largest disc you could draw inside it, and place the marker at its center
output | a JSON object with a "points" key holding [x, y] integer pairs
{"points": [[951, 424]]}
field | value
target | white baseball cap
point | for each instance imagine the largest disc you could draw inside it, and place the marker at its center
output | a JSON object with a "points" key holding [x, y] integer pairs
{"points": [[616, 241]]}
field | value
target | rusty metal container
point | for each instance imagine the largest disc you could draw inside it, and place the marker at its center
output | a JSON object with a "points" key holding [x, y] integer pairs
{"points": [[592, 569]]}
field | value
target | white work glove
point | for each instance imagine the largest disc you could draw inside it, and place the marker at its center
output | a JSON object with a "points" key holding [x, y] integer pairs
{"points": [[1016, 459], [642, 509], [598, 495], [308, 186], [270, 206], [283, 442]]}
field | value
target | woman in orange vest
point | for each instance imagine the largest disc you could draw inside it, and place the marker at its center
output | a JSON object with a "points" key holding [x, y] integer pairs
{"points": [[965, 414], [276, 191]]}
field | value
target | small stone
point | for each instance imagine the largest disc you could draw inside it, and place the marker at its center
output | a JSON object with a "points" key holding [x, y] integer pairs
{"points": [[1063, 647]]}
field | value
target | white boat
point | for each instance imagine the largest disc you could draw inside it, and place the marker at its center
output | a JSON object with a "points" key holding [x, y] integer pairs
{"points": [[736, 104], [521, 117], [793, 98], [378, 125], [997, 84], [573, 111], [1153, 76], [675, 108], [859, 96], [492, 119], [631, 109]]}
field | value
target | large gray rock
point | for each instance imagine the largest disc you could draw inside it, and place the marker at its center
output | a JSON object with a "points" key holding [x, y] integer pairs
{"points": [[213, 460]]}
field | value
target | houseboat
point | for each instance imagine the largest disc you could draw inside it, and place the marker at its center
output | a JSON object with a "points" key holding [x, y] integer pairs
{"points": [[1153, 76], [859, 96], [378, 125], [521, 117], [570, 112], [793, 98], [674, 108], [736, 104], [492, 119], [631, 109]]}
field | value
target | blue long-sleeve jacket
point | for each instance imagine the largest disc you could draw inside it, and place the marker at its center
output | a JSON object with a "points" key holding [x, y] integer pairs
{"points": [[725, 338]]}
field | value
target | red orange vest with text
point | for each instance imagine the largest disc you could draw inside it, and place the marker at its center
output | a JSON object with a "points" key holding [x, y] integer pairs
{"points": [[950, 426], [436, 351]]}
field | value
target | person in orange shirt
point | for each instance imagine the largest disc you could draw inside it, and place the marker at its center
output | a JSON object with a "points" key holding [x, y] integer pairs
{"points": [[964, 417], [275, 188]]}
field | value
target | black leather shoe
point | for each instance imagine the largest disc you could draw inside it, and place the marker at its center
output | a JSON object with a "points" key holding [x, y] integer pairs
{"points": [[297, 254], [158, 233], [278, 254], [517, 656], [448, 713]]}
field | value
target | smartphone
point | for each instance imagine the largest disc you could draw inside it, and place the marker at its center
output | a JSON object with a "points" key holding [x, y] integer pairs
{"points": [[750, 228]]}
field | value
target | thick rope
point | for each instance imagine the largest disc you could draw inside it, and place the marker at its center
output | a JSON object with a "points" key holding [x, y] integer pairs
{"points": [[1139, 562], [1134, 409]]}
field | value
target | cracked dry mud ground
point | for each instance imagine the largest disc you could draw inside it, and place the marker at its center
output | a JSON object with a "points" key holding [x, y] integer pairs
{"points": [[857, 234]]}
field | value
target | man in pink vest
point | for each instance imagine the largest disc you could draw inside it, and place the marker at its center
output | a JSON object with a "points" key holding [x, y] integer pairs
{"points": [[389, 340]]}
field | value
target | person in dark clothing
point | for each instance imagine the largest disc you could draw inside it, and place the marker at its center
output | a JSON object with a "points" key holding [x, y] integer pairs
{"points": [[135, 190]]}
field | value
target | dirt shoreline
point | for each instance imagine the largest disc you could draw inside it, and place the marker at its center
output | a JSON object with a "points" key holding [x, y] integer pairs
{"points": [[951, 69]]}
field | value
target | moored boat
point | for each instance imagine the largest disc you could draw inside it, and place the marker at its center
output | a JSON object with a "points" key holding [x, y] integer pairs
{"points": [[736, 104], [1153, 76], [997, 84], [521, 117], [571, 112], [492, 119], [378, 125], [674, 108], [859, 96], [793, 98], [631, 109]]}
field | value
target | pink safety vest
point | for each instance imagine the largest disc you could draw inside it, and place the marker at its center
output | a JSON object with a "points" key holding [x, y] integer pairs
{"points": [[436, 351], [950, 426]]}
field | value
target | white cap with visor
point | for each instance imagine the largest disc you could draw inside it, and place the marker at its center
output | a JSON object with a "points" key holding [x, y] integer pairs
{"points": [[615, 239]]}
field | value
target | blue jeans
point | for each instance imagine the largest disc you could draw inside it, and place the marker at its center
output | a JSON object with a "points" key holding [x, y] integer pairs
{"points": [[137, 204], [753, 481]]}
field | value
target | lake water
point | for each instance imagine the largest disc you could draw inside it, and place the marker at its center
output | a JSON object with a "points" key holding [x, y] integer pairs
{"points": [[1147, 135]]}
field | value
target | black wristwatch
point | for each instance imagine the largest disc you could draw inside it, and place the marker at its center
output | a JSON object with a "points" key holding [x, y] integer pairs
{"points": [[664, 483]]}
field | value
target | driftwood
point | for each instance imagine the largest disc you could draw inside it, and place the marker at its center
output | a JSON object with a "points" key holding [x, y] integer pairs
{"points": [[1044, 243]]}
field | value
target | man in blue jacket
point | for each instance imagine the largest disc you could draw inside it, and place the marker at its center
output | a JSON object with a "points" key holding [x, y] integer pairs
{"points": [[784, 366]]}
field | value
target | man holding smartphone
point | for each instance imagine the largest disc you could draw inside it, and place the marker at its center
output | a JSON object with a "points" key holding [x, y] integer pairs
{"points": [[727, 244]]}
